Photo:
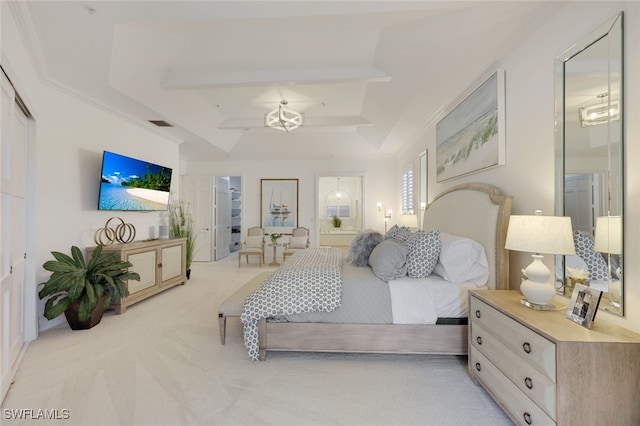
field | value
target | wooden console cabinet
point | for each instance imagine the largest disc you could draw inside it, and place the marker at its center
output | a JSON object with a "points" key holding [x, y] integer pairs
{"points": [[544, 369], [160, 263]]}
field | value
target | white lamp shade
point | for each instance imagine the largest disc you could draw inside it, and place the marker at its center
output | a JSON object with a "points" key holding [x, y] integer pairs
{"points": [[408, 220], [608, 238], [540, 234]]}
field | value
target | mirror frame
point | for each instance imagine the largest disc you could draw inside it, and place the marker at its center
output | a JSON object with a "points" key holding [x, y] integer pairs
{"points": [[604, 30], [422, 161]]}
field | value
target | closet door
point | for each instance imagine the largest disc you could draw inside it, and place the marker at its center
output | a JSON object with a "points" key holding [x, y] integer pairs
{"points": [[13, 192], [223, 217]]}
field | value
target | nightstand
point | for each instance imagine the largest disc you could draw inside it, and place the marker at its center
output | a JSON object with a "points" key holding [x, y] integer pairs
{"points": [[542, 368]]}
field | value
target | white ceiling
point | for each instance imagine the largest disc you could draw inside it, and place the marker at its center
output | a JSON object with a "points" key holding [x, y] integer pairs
{"points": [[368, 75]]}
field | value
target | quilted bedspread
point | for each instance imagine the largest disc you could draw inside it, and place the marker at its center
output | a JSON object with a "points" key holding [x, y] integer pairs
{"points": [[309, 281]]}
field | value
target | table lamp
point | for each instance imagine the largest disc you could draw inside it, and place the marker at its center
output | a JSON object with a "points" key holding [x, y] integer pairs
{"points": [[408, 220], [540, 235], [608, 238]]}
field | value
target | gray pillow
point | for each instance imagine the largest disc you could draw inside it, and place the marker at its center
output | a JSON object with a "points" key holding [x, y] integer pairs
{"points": [[389, 260], [362, 245]]}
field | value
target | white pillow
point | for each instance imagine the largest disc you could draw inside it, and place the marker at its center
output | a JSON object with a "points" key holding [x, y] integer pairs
{"points": [[298, 242], [462, 260], [253, 242]]}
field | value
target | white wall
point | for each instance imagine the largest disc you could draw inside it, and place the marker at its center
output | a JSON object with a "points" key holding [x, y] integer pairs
{"points": [[379, 184], [70, 137], [529, 172]]}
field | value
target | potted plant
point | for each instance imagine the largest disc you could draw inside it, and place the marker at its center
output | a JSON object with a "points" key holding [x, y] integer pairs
{"points": [[81, 290], [181, 226], [275, 237], [337, 222]]}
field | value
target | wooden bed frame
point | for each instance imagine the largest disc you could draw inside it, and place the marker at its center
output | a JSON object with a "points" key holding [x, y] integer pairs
{"points": [[472, 210]]}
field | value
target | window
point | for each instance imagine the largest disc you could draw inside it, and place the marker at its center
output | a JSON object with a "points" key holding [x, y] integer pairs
{"points": [[340, 211], [338, 204], [407, 191]]}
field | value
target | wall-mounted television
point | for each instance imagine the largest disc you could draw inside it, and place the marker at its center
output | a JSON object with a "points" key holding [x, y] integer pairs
{"points": [[133, 185]]}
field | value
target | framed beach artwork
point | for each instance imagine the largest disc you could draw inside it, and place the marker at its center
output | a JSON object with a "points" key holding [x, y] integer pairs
{"points": [[470, 138], [279, 205]]}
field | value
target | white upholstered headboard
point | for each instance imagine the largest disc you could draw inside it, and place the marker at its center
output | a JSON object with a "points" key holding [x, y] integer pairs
{"points": [[480, 212]]}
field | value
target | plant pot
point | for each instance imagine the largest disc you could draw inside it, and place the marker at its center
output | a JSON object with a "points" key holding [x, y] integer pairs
{"points": [[72, 316], [188, 274]]}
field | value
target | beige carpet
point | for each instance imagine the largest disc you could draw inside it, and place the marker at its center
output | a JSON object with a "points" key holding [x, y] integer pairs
{"points": [[161, 363]]}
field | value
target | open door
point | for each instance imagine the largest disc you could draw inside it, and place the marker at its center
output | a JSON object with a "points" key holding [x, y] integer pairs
{"points": [[197, 191], [223, 218]]}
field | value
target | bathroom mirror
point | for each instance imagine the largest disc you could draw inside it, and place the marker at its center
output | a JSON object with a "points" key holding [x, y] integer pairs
{"points": [[589, 162]]}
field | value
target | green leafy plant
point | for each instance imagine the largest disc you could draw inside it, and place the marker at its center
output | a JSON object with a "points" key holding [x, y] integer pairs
{"points": [[181, 226], [75, 280], [337, 222], [275, 237]]}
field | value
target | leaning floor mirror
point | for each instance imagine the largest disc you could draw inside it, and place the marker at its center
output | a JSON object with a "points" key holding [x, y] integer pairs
{"points": [[589, 162]]}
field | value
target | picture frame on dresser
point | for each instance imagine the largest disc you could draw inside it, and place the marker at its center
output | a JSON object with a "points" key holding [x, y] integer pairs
{"points": [[584, 305]]}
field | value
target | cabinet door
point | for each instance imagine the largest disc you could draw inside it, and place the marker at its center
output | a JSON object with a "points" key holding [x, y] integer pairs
{"points": [[145, 265], [171, 262]]}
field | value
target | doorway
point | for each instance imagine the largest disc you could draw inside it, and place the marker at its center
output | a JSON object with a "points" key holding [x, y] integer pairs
{"points": [[216, 206], [340, 209]]}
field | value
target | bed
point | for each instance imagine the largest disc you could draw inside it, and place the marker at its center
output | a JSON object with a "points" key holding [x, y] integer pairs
{"points": [[475, 211]]}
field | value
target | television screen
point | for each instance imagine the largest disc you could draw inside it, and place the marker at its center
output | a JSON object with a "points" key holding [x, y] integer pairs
{"points": [[134, 185]]}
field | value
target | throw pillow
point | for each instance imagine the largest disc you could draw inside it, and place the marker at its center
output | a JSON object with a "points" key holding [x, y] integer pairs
{"points": [[298, 242], [392, 232], [253, 242], [361, 247], [424, 250], [598, 270], [401, 234], [388, 260]]}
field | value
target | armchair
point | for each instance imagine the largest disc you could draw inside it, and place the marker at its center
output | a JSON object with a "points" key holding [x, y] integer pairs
{"points": [[253, 245], [299, 240]]}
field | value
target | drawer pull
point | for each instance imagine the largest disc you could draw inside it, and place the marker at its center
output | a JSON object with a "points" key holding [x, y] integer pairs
{"points": [[527, 418], [478, 367], [478, 313], [528, 383], [479, 340], [527, 347]]}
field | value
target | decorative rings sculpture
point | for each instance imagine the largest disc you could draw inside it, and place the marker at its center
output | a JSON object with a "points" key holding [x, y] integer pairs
{"points": [[123, 233]]}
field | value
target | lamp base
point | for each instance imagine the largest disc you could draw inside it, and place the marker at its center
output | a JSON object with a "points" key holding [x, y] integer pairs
{"points": [[537, 288], [614, 293], [539, 293], [535, 306]]}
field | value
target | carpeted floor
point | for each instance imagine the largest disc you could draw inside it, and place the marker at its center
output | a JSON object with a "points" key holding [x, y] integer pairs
{"points": [[161, 363]]}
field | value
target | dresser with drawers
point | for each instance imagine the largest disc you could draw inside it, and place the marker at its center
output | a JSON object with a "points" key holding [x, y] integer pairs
{"points": [[544, 369]]}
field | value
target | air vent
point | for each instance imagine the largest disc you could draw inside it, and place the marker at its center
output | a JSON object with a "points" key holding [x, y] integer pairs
{"points": [[160, 123]]}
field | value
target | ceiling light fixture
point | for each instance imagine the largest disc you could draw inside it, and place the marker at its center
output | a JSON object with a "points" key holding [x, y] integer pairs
{"points": [[601, 113], [284, 118]]}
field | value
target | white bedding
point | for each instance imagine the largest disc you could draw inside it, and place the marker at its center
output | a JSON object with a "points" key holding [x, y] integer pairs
{"points": [[424, 300]]}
